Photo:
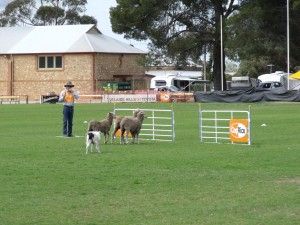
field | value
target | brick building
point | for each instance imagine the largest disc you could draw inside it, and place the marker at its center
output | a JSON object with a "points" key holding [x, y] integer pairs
{"points": [[38, 60]]}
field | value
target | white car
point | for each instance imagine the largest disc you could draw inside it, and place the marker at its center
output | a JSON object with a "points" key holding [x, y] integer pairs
{"points": [[167, 88], [269, 85]]}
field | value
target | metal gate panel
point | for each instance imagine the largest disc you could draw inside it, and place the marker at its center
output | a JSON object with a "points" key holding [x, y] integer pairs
{"points": [[158, 126], [215, 126]]}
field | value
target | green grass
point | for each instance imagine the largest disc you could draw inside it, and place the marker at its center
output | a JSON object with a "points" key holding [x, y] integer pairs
{"points": [[49, 180]]}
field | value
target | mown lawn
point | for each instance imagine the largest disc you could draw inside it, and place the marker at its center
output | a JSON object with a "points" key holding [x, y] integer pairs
{"points": [[48, 180]]}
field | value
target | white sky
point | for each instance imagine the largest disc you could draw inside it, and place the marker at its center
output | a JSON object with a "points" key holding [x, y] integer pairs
{"points": [[100, 10]]}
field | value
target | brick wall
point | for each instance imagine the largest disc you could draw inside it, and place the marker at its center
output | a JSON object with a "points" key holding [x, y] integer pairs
{"points": [[108, 65], [86, 71], [4, 72]]}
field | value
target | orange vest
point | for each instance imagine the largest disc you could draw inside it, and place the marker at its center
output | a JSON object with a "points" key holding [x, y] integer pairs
{"points": [[69, 97]]}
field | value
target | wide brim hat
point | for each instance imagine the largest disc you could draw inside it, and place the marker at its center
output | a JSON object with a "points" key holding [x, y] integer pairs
{"points": [[69, 84]]}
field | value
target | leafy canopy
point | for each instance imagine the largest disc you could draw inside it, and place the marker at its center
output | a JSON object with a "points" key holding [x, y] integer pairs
{"points": [[257, 36], [179, 30], [45, 12]]}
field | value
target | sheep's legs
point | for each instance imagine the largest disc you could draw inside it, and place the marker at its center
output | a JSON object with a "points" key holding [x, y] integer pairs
{"points": [[122, 137], [124, 140], [106, 138], [114, 135], [137, 139], [127, 137]]}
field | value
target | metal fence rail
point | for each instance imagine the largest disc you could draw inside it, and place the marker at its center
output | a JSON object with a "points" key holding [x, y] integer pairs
{"points": [[214, 125], [158, 126]]}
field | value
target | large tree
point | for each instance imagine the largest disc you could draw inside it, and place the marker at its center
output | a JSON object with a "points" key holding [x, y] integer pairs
{"points": [[45, 12], [180, 29], [257, 36]]}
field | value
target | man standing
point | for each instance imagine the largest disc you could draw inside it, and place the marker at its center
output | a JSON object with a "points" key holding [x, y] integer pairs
{"points": [[68, 97]]}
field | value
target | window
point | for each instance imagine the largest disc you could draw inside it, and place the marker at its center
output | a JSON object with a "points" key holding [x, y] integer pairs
{"points": [[160, 83], [50, 62], [277, 84], [267, 85]]}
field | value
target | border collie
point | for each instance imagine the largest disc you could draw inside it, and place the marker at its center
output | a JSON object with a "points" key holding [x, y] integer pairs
{"points": [[92, 138]]}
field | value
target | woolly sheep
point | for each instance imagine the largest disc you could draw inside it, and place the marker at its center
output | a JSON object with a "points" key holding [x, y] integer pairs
{"points": [[103, 126], [118, 121], [132, 125]]}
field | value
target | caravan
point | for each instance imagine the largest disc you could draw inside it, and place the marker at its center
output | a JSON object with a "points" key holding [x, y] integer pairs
{"points": [[283, 78], [182, 83], [278, 76]]}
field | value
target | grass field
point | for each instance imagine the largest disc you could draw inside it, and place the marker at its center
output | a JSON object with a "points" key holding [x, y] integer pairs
{"points": [[46, 180]]}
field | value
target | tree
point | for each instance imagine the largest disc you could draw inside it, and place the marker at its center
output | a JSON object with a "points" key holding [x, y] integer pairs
{"points": [[180, 29], [45, 12], [257, 36]]}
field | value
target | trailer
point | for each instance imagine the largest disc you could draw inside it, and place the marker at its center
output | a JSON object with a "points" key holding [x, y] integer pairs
{"points": [[242, 83]]}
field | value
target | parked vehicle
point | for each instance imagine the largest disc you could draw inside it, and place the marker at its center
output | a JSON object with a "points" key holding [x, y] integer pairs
{"points": [[167, 88], [180, 82], [278, 76], [242, 83], [269, 85]]}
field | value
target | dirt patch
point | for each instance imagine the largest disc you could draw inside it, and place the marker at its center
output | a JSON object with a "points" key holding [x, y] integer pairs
{"points": [[288, 181]]}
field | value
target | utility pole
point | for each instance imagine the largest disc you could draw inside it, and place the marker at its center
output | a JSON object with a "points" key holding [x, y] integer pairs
{"points": [[288, 41]]}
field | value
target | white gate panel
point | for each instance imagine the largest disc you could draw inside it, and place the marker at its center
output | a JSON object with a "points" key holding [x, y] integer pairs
{"points": [[158, 126], [218, 126]]}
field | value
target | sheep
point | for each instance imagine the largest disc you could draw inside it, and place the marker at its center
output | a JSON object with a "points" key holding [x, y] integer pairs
{"points": [[103, 126], [132, 125], [118, 121]]}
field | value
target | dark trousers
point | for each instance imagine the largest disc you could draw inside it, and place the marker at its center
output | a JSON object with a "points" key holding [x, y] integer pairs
{"points": [[68, 113]]}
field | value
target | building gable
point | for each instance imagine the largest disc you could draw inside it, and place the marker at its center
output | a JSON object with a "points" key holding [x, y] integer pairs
{"points": [[60, 39]]}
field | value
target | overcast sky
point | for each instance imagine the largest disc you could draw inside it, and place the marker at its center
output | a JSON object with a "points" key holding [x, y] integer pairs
{"points": [[100, 10]]}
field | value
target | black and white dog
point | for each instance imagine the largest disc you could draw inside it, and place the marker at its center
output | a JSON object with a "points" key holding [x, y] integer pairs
{"points": [[92, 138]]}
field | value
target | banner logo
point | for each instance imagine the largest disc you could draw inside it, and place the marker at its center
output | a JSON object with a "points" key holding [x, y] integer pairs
{"points": [[238, 130]]}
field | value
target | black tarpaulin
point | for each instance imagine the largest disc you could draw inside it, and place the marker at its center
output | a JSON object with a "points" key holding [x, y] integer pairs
{"points": [[251, 95]]}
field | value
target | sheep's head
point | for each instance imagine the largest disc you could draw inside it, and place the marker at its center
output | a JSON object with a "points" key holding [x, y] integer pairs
{"points": [[110, 115], [136, 111], [141, 116]]}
